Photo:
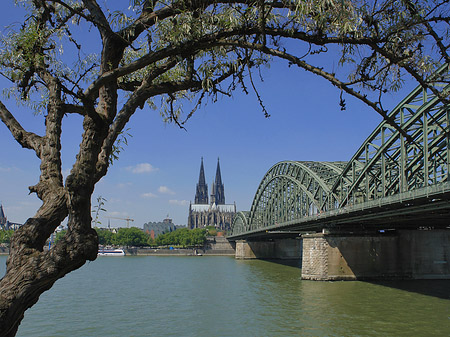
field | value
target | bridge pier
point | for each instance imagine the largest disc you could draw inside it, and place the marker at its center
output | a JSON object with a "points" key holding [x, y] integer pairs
{"points": [[285, 249], [403, 254]]}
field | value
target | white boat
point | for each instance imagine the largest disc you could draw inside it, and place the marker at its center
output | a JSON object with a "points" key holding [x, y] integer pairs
{"points": [[111, 252]]}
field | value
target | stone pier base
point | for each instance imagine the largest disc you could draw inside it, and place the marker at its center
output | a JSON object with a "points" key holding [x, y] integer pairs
{"points": [[408, 254], [276, 249]]}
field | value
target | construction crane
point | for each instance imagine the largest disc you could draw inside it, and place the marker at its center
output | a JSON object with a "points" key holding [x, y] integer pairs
{"points": [[126, 219]]}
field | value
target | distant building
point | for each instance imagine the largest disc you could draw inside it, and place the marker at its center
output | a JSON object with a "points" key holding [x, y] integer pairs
{"points": [[157, 228], [5, 224], [215, 212], [3, 219], [113, 230]]}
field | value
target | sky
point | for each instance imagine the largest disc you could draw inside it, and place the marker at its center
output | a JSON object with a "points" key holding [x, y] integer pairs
{"points": [[157, 173]]}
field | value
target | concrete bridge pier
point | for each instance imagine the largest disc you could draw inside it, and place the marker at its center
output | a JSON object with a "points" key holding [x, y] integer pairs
{"points": [[403, 254], [285, 249]]}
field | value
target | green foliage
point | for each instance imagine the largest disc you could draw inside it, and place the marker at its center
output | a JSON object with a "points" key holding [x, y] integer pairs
{"points": [[5, 235], [105, 237], [211, 230], [150, 241], [97, 209], [131, 237], [183, 238], [125, 237], [60, 235], [206, 49], [118, 146]]}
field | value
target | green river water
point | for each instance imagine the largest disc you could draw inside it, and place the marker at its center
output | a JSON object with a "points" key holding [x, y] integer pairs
{"points": [[220, 296]]}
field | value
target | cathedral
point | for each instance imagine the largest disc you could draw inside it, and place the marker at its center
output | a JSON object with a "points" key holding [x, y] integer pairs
{"points": [[214, 212]]}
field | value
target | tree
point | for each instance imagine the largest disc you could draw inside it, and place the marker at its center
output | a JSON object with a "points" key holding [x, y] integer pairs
{"points": [[183, 237], [5, 235], [198, 237], [105, 237], [150, 241], [160, 54], [131, 237], [97, 209]]}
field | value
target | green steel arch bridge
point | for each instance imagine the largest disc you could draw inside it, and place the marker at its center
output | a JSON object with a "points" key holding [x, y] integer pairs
{"points": [[398, 178]]}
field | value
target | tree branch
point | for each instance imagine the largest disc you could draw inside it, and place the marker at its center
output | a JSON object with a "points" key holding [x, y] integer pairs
{"points": [[74, 109], [320, 72], [189, 47], [26, 139], [99, 17]]}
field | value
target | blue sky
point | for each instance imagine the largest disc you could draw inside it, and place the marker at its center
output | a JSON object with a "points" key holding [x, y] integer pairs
{"points": [[157, 173]]}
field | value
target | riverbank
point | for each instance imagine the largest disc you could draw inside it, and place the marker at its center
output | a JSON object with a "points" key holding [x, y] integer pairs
{"points": [[175, 252], [215, 246]]}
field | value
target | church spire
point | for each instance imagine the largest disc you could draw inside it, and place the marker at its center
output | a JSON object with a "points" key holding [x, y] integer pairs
{"points": [[201, 194], [218, 188], [2, 216]]}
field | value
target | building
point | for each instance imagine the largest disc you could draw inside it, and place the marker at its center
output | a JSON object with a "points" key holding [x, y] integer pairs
{"points": [[157, 228], [3, 219], [4, 223], [214, 212]]}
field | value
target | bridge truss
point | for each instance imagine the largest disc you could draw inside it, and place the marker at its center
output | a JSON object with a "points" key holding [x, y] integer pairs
{"points": [[400, 172]]}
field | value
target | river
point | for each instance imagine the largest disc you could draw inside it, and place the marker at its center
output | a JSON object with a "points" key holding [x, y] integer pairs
{"points": [[220, 296]]}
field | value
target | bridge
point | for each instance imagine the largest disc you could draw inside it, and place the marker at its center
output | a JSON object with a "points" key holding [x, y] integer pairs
{"points": [[396, 188]]}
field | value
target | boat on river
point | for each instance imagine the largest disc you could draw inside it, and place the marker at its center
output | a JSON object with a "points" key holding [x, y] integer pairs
{"points": [[111, 252]]}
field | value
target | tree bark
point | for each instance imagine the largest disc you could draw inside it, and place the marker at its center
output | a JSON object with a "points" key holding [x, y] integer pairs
{"points": [[31, 270]]}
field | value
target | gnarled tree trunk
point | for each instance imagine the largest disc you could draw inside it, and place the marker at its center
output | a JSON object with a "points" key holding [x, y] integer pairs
{"points": [[31, 270]]}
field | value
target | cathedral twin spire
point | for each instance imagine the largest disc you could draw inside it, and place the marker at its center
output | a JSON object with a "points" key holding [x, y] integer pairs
{"points": [[218, 191], [201, 194]]}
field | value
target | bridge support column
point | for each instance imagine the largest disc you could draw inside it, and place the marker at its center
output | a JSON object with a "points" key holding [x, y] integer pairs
{"points": [[406, 254], [276, 249]]}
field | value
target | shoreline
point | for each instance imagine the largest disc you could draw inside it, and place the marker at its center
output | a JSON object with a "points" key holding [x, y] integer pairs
{"points": [[218, 246], [162, 252], [177, 252]]}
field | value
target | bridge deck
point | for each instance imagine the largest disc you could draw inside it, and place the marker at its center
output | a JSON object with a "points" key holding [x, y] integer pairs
{"points": [[409, 210]]}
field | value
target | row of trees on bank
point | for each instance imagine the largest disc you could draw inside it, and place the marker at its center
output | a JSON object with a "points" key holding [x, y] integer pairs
{"points": [[124, 237], [183, 238], [134, 236]]}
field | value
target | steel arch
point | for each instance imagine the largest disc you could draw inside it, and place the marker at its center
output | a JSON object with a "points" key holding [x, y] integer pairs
{"points": [[240, 222], [413, 159], [390, 162], [289, 190]]}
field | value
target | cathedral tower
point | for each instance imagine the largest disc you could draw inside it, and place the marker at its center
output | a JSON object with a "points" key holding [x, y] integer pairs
{"points": [[215, 213], [201, 194], [218, 191]]}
